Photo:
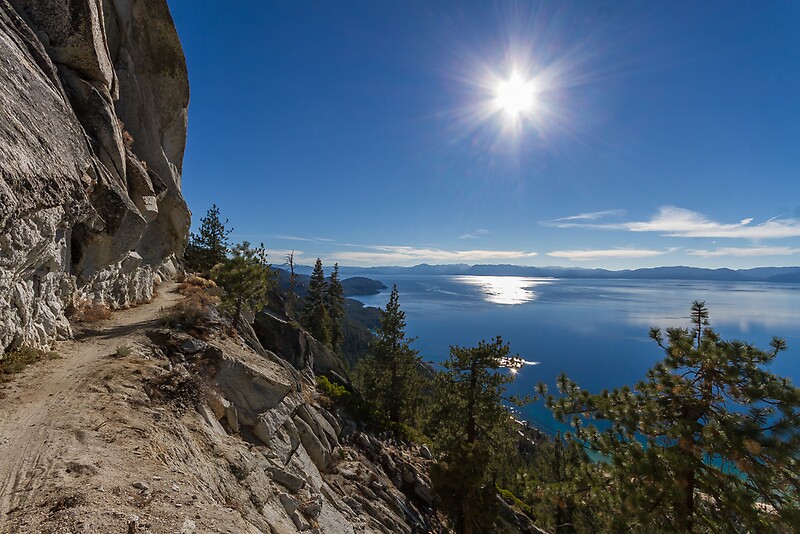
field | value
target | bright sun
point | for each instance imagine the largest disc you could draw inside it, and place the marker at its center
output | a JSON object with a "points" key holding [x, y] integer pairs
{"points": [[515, 95]]}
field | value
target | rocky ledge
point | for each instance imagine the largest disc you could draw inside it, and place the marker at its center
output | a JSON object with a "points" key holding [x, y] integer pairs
{"points": [[93, 110]]}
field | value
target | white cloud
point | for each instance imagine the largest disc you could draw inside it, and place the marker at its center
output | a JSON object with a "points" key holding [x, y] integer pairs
{"points": [[277, 256], [592, 216], [745, 251], [475, 235], [402, 255], [678, 222], [299, 238], [626, 253]]}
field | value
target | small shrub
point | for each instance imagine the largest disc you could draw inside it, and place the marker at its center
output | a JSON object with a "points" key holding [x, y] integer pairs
{"points": [[17, 360], [407, 433], [513, 500], [192, 309], [90, 312], [199, 281], [124, 351], [335, 392]]}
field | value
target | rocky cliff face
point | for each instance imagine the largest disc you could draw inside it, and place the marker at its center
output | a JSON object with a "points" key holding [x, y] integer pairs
{"points": [[93, 109]]}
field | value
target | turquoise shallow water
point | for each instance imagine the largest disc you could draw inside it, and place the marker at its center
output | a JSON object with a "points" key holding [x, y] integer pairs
{"points": [[594, 330]]}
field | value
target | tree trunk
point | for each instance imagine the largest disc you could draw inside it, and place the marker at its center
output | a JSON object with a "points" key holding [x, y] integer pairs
{"points": [[472, 430], [684, 507], [394, 409]]}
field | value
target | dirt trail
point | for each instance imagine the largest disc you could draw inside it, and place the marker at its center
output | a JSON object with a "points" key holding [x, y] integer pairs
{"points": [[45, 398]]}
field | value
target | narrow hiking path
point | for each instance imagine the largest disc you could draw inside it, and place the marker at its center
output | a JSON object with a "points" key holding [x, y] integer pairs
{"points": [[46, 399]]}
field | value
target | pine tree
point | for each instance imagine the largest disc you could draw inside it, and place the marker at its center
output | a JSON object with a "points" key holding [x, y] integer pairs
{"points": [[292, 282], [210, 246], [473, 428], [315, 314], [334, 301], [699, 317], [708, 442], [246, 279], [389, 376]]}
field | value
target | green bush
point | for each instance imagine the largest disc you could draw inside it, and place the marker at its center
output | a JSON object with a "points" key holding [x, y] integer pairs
{"points": [[17, 360], [336, 392], [124, 350], [515, 501]]}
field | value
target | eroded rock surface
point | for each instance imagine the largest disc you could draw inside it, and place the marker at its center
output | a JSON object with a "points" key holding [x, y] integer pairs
{"points": [[301, 464], [296, 345], [93, 109]]}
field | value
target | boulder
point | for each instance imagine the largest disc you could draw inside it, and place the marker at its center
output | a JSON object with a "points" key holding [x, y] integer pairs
{"points": [[209, 417], [291, 482], [319, 424], [289, 503], [423, 491], [319, 453], [425, 452], [193, 345], [295, 345]]}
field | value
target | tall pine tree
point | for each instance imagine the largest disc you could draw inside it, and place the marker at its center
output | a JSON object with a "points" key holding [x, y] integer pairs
{"points": [[292, 283], [334, 301], [709, 442], [473, 428], [315, 314], [389, 376], [210, 245]]}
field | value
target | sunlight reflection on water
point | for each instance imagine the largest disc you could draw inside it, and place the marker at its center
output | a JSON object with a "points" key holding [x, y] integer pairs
{"points": [[505, 289]]}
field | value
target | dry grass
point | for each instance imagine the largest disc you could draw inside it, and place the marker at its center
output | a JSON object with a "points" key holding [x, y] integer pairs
{"points": [[192, 309], [127, 138], [196, 281], [90, 312]]}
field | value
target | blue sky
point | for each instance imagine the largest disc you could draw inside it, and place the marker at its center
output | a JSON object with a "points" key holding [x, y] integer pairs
{"points": [[369, 133]]}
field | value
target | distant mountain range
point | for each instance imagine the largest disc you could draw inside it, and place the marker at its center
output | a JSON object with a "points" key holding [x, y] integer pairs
{"points": [[759, 274]]}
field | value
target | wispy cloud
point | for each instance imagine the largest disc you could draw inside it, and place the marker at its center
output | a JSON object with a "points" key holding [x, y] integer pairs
{"points": [[299, 238], [277, 256], [625, 253], [475, 234], [745, 251], [403, 255], [592, 216], [678, 222]]}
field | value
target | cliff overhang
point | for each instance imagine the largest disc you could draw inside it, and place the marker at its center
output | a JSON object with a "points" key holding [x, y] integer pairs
{"points": [[93, 110]]}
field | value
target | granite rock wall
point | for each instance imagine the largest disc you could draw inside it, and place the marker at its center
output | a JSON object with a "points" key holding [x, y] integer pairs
{"points": [[93, 109]]}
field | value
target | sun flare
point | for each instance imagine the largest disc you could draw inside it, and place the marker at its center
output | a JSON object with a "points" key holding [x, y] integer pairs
{"points": [[514, 96]]}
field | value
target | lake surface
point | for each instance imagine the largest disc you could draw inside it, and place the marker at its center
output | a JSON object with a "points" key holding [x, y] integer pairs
{"points": [[594, 330]]}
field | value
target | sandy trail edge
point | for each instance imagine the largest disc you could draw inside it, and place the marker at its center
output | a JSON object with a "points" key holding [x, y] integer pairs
{"points": [[44, 394]]}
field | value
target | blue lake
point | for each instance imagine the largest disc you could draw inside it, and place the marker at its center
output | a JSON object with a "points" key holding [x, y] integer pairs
{"points": [[594, 330]]}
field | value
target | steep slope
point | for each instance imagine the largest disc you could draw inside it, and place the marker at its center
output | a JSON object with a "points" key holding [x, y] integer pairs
{"points": [[93, 107], [192, 430]]}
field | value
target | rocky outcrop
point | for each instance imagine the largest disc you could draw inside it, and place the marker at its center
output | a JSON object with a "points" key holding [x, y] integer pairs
{"points": [[304, 467], [93, 109], [296, 345]]}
